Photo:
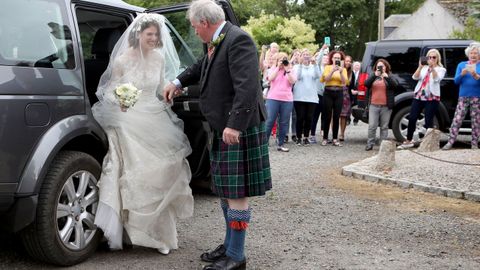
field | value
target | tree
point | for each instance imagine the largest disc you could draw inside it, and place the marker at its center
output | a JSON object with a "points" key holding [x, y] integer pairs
{"points": [[153, 3], [470, 31], [289, 33]]}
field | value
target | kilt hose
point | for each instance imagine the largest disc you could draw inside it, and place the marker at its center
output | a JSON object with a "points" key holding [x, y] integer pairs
{"points": [[241, 170]]}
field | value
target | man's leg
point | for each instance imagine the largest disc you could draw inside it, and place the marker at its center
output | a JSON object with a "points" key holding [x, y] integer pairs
{"points": [[239, 216]]}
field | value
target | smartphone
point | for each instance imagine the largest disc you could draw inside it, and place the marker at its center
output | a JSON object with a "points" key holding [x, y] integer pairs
{"points": [[337, 63], [326, 41], [380, 68], [424, 60]]}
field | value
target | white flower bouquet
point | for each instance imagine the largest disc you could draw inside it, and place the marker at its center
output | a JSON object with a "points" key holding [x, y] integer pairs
{"points": [[127, 95]]}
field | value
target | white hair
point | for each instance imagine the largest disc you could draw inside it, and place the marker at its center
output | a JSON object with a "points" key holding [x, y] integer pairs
{"points": [[473, 45], [205, 10]]}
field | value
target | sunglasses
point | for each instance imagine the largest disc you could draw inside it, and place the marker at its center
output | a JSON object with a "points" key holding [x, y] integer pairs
{"points": [[432, 57]]}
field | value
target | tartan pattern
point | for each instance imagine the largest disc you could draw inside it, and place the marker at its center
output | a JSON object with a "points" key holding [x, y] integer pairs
{"points": [[241, 170]]}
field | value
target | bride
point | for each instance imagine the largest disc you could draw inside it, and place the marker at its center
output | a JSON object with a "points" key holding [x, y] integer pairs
{"points": [[144, 186]]}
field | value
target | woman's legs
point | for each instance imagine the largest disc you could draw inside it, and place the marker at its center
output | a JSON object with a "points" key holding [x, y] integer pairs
{"points": [[460, 112], [316, 115], [337, 109], [431, 108], [343, 126], [385, 114], [284, 118], [415, 109], [328, 98], [309, 111], [300, 112], [475, 118], [373, 120], [273, 107]]}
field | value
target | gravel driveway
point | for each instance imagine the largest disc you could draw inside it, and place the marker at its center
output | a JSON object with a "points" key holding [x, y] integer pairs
{"points": [[314, 218]]}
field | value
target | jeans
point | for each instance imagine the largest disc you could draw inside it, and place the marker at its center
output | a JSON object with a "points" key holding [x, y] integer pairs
{"points": [[332, 103], [417, 107], [378, 116], [316, 116], [282, 110], [304, 112]]}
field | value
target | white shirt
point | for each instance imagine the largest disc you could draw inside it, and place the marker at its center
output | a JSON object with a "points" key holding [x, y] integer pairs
{"points": [[433, 85]]}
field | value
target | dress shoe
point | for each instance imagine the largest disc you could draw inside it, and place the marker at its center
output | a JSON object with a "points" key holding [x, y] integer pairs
{"points": [[214, 255], [226, 263]]}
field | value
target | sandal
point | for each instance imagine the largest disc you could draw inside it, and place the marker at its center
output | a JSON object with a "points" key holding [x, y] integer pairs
{"points": [[324, 142], [336, 143]]}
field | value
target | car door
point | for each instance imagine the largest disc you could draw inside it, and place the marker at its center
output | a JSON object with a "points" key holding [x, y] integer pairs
{"points": [[190, 48]]}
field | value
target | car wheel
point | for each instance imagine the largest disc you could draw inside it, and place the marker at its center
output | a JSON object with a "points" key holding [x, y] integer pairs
{"points": [[400, 125], [63, 232]]}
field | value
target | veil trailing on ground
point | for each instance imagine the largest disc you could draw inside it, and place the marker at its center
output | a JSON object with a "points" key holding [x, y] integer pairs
{"points": [[129, 57]]}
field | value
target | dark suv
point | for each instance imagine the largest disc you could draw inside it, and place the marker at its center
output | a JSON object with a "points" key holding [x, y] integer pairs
{"points": [[403, 56], [52, 55]]}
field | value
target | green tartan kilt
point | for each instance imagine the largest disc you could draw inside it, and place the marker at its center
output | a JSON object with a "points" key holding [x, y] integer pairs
{"points": [[241, 170]]}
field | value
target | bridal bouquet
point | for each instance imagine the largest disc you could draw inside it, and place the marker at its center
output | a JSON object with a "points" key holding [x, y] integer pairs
{"points": [[127, 94]]}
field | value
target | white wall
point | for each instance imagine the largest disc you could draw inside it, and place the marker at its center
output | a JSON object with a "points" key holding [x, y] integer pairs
{"points": [[430, 21]]}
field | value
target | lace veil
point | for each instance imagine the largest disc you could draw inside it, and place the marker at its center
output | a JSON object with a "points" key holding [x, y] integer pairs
{"points": [[129, 61]]}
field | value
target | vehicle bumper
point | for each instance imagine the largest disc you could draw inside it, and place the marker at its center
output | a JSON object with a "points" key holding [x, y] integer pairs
{"points": [[20, 214]]}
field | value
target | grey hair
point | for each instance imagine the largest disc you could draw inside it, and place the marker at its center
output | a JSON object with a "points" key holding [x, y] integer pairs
{"points": [[473, 45], [205, 10]]}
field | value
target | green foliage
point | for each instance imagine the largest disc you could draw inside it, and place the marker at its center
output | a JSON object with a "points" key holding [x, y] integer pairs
{"points": [[471, 30], [289, 33], [153, 3], [402, 7]]}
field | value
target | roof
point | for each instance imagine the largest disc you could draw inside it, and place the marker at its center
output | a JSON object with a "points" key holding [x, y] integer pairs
{"points": [[116, 3], [395, 20], [458, 8]]}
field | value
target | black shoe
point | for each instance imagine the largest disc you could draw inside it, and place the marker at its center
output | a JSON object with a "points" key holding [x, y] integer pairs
{"points": [[306, 141], [286, 139], [368, 147], [214, 255], [226, 263], [294, 138]]}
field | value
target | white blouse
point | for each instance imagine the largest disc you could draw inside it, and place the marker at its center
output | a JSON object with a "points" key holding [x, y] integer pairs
{"points": [[433, 83]]}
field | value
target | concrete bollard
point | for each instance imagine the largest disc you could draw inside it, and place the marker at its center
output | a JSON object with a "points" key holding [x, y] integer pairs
{"points": [[431, 141], [386, 156]]}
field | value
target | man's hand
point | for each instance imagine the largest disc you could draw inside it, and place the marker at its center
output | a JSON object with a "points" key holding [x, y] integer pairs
{"points": [[170, 91], [231, 136]]}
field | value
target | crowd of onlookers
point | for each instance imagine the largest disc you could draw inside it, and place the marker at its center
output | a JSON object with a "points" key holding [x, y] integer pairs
{"points": [[308, 89]]}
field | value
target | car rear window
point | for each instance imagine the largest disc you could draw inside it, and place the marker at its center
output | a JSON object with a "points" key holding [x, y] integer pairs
{"points": [[35, 33]]}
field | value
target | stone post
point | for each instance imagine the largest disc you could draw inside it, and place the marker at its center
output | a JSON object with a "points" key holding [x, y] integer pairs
{"points": [[386, 156], [431, 141]]}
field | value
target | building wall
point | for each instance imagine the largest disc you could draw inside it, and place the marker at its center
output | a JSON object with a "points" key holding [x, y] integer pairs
{"points": [[430, 21]]}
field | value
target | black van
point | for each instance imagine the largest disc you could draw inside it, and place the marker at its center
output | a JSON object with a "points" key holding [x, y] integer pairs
{"points": [[52, 54], [403, 56]]}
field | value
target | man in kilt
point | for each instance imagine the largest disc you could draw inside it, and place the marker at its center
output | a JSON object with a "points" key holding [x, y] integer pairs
{"points": [[231, 101]]}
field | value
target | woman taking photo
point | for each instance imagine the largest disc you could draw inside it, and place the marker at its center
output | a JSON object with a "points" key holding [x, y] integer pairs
{"points": [[467, 76], [380, 97], [429, 73], [335, 79], [305, 97], [280, 98]]}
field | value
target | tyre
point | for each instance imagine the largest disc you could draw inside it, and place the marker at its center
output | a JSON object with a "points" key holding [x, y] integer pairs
{"points": [[400, 125], [63, 232]]}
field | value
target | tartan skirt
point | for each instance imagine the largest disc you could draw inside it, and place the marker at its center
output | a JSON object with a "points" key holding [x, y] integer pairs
{"points": [[241, 170]]}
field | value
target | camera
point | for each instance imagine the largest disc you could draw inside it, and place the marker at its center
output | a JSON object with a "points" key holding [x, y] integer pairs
{"points": [[337, 62], [380, 68], [285, 62], [424, 60]]}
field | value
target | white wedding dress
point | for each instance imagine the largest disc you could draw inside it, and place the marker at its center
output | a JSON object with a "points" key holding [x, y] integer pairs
{"points": [[144, 186]]}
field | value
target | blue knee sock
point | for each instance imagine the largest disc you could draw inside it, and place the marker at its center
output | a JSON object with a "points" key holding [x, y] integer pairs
{"points": [[239, 220], [224, 205]]}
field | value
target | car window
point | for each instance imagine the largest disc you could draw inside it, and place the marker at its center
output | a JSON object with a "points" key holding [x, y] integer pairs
{"points": [[38, 34], [402, 59], [187, 34], [452, 57]]}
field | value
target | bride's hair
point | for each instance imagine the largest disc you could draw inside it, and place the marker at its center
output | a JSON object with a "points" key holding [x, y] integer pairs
{"points": [[140, 26]]}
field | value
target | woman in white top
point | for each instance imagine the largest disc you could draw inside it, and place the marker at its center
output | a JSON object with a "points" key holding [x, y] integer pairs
{"points": [[429, 74], [305, 96]]}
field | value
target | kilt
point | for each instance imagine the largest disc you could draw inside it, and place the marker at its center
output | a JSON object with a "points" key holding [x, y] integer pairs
{"points": [[241, 170]]}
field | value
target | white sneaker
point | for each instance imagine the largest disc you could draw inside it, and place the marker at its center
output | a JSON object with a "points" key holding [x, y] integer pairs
{"points": [[405, 145], [283, 149], [447, 146], [164, 251]]}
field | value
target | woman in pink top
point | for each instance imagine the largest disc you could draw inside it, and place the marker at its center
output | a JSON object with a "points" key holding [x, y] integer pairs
{"points": [[280, 97]]}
